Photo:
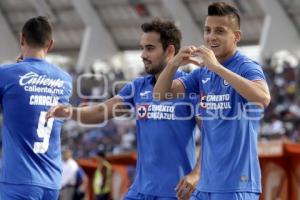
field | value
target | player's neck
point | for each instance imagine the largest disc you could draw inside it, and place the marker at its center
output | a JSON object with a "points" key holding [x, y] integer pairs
{"points": [[156, 77], [34, 53], [158, 73], [227, 56]]}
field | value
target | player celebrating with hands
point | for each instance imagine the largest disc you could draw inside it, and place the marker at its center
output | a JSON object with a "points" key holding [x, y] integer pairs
{"points": [[233, 92], [166, 164]]}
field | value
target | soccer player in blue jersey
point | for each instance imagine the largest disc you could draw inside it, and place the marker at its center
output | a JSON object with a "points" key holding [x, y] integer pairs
{"points": [[31, 167], [233, 92], [165, 139]]}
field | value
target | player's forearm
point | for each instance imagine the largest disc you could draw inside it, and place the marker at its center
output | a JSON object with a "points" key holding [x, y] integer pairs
{"points": [[89, 114], [196, 171], [256, 92], [164, 83], [197, 168]]}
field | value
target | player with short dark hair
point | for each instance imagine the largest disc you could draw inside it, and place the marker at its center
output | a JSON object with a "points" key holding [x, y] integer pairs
{"points": [[233, 92], [31, 167], [165, 139]]}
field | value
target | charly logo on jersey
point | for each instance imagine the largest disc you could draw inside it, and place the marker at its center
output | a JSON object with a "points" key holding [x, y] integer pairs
{"points": [[153, 111], [205, 80], [44, 90], [145, 93]]}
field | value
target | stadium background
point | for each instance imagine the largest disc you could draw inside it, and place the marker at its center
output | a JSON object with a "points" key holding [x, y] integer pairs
{"points": [[97, 41]]}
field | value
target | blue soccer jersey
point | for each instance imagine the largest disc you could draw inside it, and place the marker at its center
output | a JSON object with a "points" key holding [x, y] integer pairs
{"points": [[230, 126], [165, 139], [31, 147]]}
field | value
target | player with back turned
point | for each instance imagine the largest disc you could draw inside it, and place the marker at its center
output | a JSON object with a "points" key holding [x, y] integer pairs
{"points": [[31, 166]]}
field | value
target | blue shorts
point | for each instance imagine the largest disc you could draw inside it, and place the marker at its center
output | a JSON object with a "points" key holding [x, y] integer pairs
{"points": [[197, 195], [26, 192], [134, 195]]}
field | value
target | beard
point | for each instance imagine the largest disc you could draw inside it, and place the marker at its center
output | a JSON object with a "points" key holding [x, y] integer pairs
{"points": [[153, 70]]}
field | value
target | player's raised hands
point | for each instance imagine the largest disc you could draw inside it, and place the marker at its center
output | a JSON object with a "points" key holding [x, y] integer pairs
{"points": [[186, 55], [208, 58], [59, 111]]}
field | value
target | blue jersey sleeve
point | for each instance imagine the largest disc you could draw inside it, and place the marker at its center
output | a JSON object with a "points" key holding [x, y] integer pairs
{"points": [[191, 82], [67, 91], [193, 95], [252, 71], [127, 93]]}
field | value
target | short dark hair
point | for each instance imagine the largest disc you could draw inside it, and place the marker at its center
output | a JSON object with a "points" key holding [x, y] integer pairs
{"points": [[37, 32], [224, 9], [168, 31]]}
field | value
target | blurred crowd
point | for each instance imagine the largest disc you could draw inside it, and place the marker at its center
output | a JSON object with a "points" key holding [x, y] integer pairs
{"points": [[282, 117]]}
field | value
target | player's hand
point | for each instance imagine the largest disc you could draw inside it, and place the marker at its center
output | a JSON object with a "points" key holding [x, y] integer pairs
{"points": [[59, 111], [208, 58], [187, 186], [185, 56]]}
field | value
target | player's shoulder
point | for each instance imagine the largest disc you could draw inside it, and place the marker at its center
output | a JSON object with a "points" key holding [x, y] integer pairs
{"points": [[179, 73], [142, 79], [7, 67], [245, 60], [10, 69], [249, 64], [195, 72]]}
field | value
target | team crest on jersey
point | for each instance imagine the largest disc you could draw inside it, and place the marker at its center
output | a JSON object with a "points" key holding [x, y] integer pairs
{"points": [[142, 111], [225, 82]]}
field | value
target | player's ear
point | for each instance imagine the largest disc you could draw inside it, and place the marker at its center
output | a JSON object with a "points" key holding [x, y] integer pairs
{"points": [[22, 39], [237, 35], [50, 46], [170, 51]]}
